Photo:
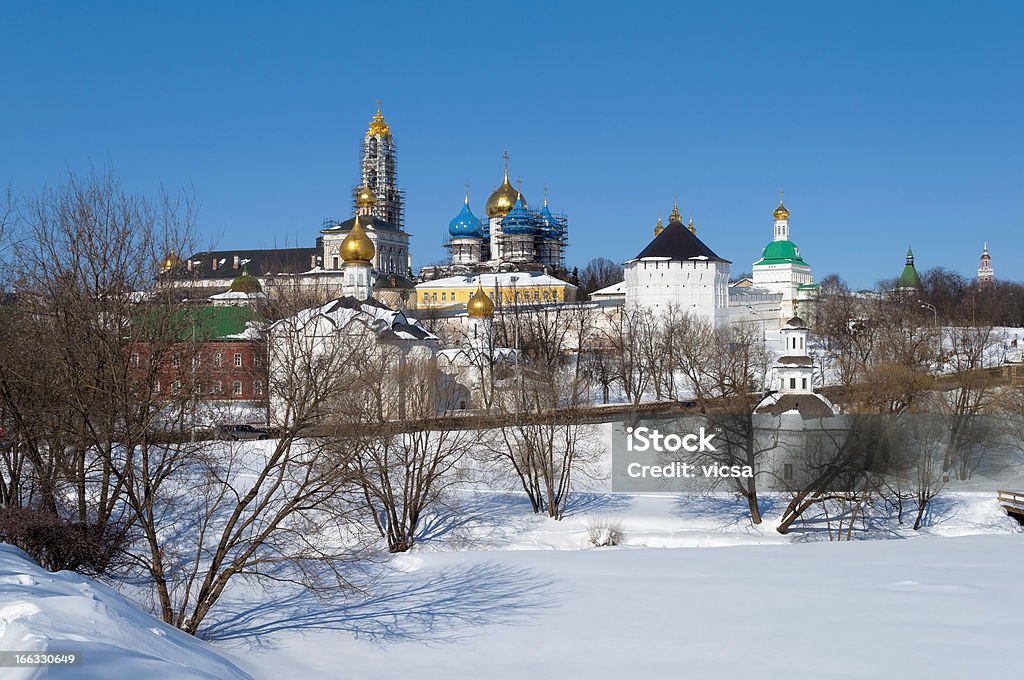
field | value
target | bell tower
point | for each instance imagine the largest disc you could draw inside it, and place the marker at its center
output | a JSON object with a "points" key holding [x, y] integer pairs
{"points": [[379, 172]]}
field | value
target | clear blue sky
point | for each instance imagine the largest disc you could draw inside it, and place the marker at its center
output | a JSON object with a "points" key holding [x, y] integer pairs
{"points": [[887, 123]]}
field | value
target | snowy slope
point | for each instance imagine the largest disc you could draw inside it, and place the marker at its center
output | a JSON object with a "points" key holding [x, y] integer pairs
{"points": [[65, 612], [933, 608]]}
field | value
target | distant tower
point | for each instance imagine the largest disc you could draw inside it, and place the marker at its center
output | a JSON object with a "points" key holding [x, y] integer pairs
{"points": [[357, 253], [909, 280], [781, 215], [986, 275], [379, 174]]}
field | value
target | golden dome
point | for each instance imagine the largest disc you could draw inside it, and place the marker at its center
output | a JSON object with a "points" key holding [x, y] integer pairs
{"points": [[170, 262], [504, 197], [479, 305], [357, 246], [693, 230], [377, 126], [675, 215], [659, 227], [781, 213], [366, 198]]}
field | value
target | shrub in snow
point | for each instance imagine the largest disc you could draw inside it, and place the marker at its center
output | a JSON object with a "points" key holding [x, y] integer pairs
{"points": [[56, 543], [604, 532]]}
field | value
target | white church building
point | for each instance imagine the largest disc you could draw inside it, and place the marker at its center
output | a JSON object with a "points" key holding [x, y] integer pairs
{"points": [[677, 269]]}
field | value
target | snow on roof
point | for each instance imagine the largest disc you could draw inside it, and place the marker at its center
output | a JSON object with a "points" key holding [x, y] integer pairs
{"points": [[492, 280], [381, 318], [614, 289]]}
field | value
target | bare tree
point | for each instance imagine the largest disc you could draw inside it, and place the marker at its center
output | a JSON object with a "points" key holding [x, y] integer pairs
{"points": [[403, 471]]}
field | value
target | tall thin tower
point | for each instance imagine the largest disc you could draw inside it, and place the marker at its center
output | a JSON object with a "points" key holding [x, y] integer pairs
{"points": [[378, 171], [985, 272]]}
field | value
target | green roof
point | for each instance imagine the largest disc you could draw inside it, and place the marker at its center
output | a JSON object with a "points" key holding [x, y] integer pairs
{"points": [[909, 278], [201, 323], [781, 252]]}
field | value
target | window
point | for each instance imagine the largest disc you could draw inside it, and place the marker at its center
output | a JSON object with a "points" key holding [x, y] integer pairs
{"points": [[426, 297], [238, 359], [804, 381], [334, 262], [156, 386], [787, 472], [792, 383], [257, 388], [444, 297], [217, 387], [176, 386], [135, 359], [257, 359], [434, 296], [175, 361], [236, 388], [218, 360]]}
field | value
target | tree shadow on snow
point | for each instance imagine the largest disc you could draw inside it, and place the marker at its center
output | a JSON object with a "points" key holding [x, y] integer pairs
{"points": [[723, 509], [430, 606]]}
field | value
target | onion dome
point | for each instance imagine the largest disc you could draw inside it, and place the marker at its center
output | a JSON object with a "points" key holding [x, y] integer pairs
{"points": [[781, 213], [465, 224], [693, 229], [246, 283], [365, 198], [518, 220], [479, 305], [675, 215], [357, 248], [378, 128], [659, 227], [169, 262], [504, 197]]}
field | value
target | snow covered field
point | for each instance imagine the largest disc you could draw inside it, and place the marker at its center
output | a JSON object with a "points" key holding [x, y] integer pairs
{"points": [[513, 594]]}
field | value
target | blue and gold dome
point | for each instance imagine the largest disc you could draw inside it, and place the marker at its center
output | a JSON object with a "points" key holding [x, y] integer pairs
{"points": [[518, 220], [465, 224]]}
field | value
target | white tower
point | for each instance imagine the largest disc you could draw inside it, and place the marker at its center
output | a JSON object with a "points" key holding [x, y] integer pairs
{"points": [[357, 252], [986, 275], [794, 373]]}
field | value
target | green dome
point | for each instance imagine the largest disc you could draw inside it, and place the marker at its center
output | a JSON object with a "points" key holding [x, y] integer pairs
{"points": [[781, 252], [246, 283]]}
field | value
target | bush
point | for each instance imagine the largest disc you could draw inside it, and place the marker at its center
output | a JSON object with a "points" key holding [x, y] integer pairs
{"points": [[604, 532], [56, 543]]}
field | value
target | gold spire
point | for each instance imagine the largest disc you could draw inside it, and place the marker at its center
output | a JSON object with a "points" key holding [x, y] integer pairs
{"points": [[659, 227], [479, 305], [675, 215], [503, 199], [378, 128], [781, 213], [357, 248], [693, 230], [365, 198]]}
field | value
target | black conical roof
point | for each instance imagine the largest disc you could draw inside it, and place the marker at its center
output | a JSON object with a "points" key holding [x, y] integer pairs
{"points": [[676, 242]]}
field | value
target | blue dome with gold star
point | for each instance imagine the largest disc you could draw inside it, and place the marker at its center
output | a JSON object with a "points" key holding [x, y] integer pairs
{"points": [[465, 224]]}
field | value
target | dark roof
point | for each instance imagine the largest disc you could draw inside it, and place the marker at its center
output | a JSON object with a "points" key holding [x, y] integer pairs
{"points": [[393, 281], [796, 360], [260, 262], [796, 323], [679, 244], [807, 405], [367, 222]]}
